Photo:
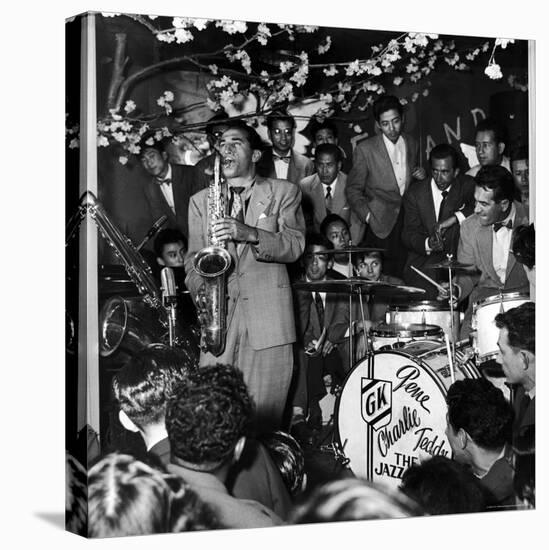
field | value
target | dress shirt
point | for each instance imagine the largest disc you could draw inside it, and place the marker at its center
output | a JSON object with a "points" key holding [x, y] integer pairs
{"points": [[397, 154], [501, 242], [322, 294], [281, 166], [437, 201], [167, 190], [332, 187]]}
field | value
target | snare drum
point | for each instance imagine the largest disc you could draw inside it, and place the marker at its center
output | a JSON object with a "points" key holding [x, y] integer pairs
{"points": [[392, 409], [426, 311], [485, 337], [391, 336]]}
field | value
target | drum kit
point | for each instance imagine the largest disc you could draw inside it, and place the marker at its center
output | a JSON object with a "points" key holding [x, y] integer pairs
{"points": [[391, 409]]}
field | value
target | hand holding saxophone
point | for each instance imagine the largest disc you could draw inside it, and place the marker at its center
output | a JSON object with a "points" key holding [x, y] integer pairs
{"points": [[226, 229]]}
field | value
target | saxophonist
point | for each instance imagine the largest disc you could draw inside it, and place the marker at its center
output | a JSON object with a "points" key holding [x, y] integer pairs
{"points": [[263, 229]]}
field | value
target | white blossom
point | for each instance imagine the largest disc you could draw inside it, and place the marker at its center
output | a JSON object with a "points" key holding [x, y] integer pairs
{"points": [[232, 27], [180, 22], [122, 159], [183, 35], [129, 106], [425, 92], [357, 129], [114, 114], [200, 24], [213, 68], [165, 37], [504, 41], [493, 70], [285, 66], [152, 17], [119, 136], [108, 14], [330, 71], [75, 143], [150, 141], [397, 81], [323, 48], [134, 149]]}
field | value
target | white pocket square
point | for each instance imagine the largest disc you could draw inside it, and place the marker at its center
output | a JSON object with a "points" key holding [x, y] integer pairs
{"points": [[261, 216]]}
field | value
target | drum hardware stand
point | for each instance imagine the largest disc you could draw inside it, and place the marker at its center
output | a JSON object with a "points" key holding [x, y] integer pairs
{"points": [[452, 343]]}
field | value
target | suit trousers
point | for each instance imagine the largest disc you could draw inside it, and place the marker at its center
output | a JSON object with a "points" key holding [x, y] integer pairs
{"points": [[267, 372], [395, 253]]}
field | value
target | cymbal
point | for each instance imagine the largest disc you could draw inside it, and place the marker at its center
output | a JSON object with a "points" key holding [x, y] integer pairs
{"points": [[451, 264], [358, 285], [350, 250]]}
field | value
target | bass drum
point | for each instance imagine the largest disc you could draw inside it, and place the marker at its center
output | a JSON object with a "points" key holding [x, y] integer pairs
{"points": [[391, 412]]}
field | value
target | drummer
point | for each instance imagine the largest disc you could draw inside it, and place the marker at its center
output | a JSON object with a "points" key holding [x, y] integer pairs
{"points": [[369, 265], [485, 241]]}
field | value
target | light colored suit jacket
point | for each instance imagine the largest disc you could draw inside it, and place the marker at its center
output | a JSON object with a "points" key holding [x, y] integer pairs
{"points": [[299, 166], [371, 184], [475, 247], [258, 278], [313, 191]]}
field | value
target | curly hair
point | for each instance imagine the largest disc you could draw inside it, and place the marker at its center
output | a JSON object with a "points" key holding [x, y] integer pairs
{"points": [[206, 416], [143, 385], [524, 245], [498, 179], [520, 323], [443, 486], [129, 497], [289, 458], [480, 408], [353, 499]]}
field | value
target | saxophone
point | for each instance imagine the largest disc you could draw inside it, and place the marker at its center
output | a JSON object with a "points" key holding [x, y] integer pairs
{"points": [[212, 263]]}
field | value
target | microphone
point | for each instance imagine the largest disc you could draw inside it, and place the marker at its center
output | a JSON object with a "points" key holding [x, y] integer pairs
{"points": [[153, 231], [168, 286]]}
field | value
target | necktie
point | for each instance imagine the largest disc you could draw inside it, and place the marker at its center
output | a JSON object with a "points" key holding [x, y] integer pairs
{"points": [[284, 159], [236, 200], [167, 181], [319, 309], [499, 225], [329, 199], [442, 204]]}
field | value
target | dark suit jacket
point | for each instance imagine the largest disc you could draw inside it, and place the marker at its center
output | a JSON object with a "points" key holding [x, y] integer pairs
{"points": [[300, 166], [371, 184], [185, 184], [420, 219], [258, 278]]}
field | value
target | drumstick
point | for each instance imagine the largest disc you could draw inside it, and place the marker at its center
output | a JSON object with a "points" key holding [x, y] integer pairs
{"points": [[450, 362], [427, 278]]}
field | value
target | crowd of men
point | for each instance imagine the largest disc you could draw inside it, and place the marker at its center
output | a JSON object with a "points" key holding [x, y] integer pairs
{"points": [[286, 217]]}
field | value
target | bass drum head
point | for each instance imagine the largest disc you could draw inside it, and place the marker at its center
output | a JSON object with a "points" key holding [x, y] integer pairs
{"points": [[390, 416]]}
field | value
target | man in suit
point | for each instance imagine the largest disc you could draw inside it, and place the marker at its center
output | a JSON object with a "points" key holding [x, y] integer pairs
{"points": [[281, 161], [170, 187], [485, 241], [322, 320], [326, 132], [263, 231], [517, 355], [489, 146], [433, 212], [383, 168], [324, 192], [479, 428]]}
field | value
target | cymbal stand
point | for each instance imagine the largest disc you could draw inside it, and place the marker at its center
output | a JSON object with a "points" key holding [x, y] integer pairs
{"points": [[451, 298]]}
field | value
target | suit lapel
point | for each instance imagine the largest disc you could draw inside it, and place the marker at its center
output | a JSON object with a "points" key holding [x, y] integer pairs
{"points": [[486, 252], [339, 195], [384, 154], [317, 195], [293, 169], [429, 205], [161, 200]]}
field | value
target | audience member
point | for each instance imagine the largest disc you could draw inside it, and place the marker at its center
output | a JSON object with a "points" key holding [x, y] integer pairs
{"points": [[142, 389], [485, 242], [383, 168], [281, 161], [520, 171], [326, 132], [129, 497], [170, 187], [324, 191], [322, 320], [354, 499], [336, 230], [489, 145], [517, 355], [289, 458], [433, 212], [207, 419], [480, 423], [523, 248], [443, 486]]}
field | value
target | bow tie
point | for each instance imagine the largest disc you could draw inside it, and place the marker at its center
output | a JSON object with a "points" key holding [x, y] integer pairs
{"points": [[167, 181], [499, 225], [283, 159]]}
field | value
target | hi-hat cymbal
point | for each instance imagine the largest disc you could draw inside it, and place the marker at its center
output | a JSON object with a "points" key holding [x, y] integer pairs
{"points": [[358, 285], [451, 264], [350, 250]]}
